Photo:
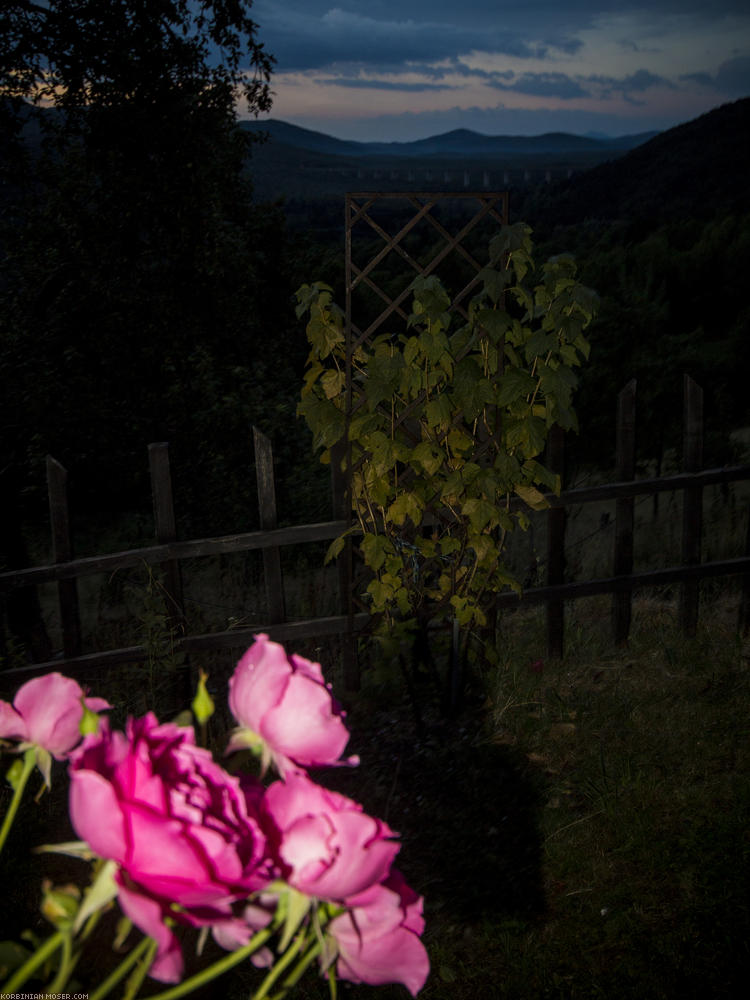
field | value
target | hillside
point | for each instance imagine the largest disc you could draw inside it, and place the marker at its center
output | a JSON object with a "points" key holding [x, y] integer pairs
{"points": [[697, 170]]}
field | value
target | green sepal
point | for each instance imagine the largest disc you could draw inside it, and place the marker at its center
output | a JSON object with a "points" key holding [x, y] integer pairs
{"points": [[100, 893], [203, 704], [72, 848], [60, 903], [293, 907], [15, 772]]}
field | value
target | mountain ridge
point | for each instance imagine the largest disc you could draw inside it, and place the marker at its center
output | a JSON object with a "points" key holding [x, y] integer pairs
{"points": [[454, 142]]}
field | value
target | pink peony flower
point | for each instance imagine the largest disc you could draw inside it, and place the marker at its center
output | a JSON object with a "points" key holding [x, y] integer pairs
{"points": [[284, 707], [377, 939], [326, 845], [46, 713], [179, 827]]}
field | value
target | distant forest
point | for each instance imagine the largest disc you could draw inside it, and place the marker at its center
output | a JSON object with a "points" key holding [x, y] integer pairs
{"points": [[147, 292]]}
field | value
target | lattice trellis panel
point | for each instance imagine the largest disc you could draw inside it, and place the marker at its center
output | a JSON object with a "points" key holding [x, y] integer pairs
{"points": [[393, 237], [477, 215]]}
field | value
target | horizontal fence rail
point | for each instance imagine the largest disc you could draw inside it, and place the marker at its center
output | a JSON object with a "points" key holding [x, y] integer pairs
{"points": [[156, 554], [328, 530]]}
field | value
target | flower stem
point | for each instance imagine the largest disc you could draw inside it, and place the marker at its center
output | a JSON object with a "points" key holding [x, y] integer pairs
{"points": [[67, 963], [29, 760], [212, 971], [138, 975], [296, 974], [122, 970], [33, 962], [279, 967]]}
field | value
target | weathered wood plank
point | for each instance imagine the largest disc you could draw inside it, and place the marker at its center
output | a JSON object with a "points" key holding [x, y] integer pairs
{"points": [[272, 574], [692, 511], [744, 610], [609, 585], [166, 530], [623, 553], [155, 554], [556, 518], [232, 639], [62, 552]]}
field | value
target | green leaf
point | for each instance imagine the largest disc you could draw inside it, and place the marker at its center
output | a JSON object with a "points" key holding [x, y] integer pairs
{"points": [[494, 323], [438, 411], [383, 378], [381, 594], [12, 957], [334, 549], [324, 419], [405, 505], [529, 433], [411, 351], [332, 383], [374, 549], [466, 375], [557, 382], [479, 512], [514, 384], [494, 282], [538, 473], [531, 496], [426, 457]]}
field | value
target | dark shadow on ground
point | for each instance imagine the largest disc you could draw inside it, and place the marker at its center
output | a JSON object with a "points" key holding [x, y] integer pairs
{"points": [[465, 808]]}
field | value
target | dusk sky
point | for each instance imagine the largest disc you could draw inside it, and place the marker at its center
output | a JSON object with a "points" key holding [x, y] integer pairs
{"points": [[407, 69]]}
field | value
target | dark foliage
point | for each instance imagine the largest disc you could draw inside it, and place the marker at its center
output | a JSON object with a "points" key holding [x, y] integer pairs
{"points": [[145, 296]]}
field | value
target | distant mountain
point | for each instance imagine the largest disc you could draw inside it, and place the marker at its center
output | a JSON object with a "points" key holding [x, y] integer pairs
{"points": [[694, 170], [458, 142]]}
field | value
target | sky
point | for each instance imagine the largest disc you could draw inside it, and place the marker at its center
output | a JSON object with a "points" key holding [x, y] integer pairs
{"points": [[396, 70]]}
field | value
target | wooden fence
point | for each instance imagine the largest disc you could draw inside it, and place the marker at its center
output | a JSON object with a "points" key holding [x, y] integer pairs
{"points": [[170, 552]]}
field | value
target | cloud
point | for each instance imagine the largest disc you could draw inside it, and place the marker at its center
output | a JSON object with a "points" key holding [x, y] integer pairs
{"points": [[566, 87], [732, 77], [365, 83], [558, 85], [303, 38], [627, 86]]}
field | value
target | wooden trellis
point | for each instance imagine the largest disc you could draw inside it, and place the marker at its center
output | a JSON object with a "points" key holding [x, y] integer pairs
{"points": [[454, 250], [361, 211]]}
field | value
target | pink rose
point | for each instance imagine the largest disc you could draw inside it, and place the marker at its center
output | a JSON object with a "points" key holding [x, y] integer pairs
{"points": [[177, 824], [285, 708], [377, 939], [326, 845], [46, 713]]}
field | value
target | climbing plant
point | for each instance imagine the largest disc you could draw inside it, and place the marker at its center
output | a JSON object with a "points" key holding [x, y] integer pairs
{"points": [[446, 424]]}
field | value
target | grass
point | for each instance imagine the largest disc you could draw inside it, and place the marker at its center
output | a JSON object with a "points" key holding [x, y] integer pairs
{"points": [[583, 829]]}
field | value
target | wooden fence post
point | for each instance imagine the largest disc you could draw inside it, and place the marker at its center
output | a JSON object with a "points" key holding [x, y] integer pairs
{"points": [[744, 612], [692, 511], [272, 574], [165, 526], [341, 505], [556, 518], [62, 551], [625, 470]]}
